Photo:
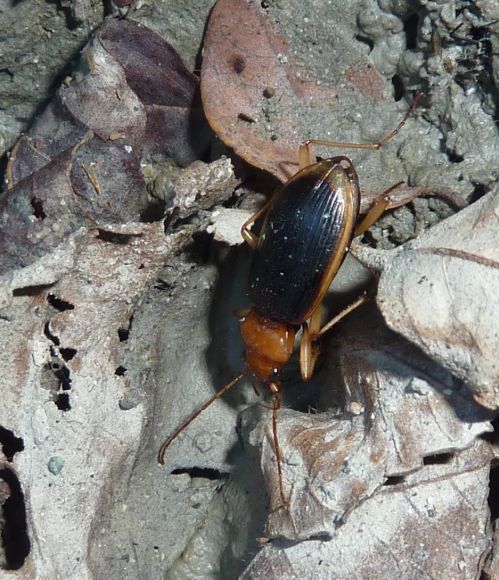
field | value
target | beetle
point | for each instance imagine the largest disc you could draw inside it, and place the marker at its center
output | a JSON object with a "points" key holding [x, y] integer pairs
{"points": [[307, 230]]}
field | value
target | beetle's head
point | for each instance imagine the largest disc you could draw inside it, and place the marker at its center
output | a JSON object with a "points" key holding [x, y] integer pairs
{"points": [[269, 345]]}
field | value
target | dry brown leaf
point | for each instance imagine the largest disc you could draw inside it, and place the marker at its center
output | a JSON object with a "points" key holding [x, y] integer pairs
{"points": [[168, 91], [435, 524]]}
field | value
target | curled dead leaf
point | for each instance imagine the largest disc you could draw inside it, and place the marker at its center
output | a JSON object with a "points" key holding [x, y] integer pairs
{"points": [[441, 292]]}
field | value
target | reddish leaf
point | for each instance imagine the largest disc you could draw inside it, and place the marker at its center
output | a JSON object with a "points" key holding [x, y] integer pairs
{"points": [[253, 96]]}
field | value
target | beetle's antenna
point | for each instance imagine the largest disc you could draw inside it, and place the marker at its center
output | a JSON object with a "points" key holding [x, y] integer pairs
{"points": [[275, 388], [217, 395]]}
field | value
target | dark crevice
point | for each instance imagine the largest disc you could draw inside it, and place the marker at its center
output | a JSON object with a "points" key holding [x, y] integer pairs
{"points": [[62, 402], [52, 337], [60, 387], [493, 498], [394, 480], [115, 237], [60, 356], [124, 333], [246, 118], [6, 71], [454, 157], [493, 437], [411, 31], [478, 192], [203, 472], [63, 376], [58, 303], [61, 372], [320, 537], [15, 539], [398, 87], [438, 459], [120, 371], [201, 249], [10, 443], [365, 40], [154, 212], [68, 353], [31, 290], [38, 211]]}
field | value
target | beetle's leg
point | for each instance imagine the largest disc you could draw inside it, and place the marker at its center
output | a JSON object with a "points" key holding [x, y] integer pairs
{"points": [[377, 210], [217, 395], [350, 308], [305, 154], [312, 331], [275, 388], [372, 216], [249, 237], [309, 348]]}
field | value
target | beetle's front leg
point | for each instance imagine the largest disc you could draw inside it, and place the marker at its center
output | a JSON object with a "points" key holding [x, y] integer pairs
{"points": [[248, 236]]}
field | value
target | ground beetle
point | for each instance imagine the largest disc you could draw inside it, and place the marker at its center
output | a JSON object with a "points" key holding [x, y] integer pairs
{"points": [[307, 230]]}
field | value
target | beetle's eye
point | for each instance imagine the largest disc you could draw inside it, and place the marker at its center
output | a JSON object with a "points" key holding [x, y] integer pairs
{"points": [[274, 374]]}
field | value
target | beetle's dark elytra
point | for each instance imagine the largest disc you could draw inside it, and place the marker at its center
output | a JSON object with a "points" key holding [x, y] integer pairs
{"points": [[308, 222]]}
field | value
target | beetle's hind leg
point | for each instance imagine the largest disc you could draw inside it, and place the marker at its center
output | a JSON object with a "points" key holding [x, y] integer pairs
{"points": [[312, 331]]}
